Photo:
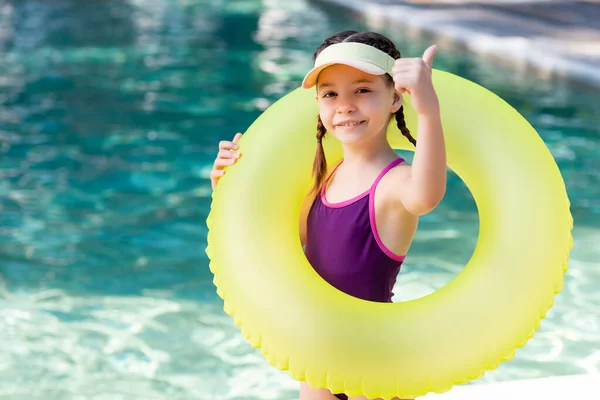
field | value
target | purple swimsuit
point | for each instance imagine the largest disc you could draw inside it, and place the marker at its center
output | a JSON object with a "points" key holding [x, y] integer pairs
{"points": [[343, 245]]}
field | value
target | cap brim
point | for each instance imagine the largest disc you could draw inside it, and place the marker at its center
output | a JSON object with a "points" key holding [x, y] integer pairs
{"points": [[310, 79]]}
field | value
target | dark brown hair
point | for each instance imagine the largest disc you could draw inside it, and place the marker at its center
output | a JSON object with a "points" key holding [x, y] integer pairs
{"points": [[380, 42]]}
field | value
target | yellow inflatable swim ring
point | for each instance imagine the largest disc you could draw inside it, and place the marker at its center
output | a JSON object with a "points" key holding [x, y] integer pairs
{"points": [[408, 349]]}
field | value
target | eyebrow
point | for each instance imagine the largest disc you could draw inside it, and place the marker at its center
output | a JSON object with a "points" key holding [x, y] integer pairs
{"points": [[363, 80]]}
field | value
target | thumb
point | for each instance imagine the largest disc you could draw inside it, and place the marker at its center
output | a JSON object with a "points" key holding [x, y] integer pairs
{"points": [[237, 137], [429, 54]]}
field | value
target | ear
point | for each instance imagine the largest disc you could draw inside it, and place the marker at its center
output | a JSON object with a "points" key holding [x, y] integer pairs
{"points": [[397, 101]]}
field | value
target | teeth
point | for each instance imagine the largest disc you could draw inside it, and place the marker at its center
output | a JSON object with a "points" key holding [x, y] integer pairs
{"points": [[352, 124]]}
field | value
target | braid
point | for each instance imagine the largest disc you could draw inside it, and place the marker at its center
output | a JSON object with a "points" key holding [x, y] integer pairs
{"points": [[402, 126], [320, 163]]}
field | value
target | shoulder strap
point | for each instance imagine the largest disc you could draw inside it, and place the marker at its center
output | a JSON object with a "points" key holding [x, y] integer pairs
{"points": [[385, 171], [330, 175]]}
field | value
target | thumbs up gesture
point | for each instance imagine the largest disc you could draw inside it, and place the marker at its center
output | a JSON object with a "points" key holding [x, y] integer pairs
{"points": [[413, 76]]}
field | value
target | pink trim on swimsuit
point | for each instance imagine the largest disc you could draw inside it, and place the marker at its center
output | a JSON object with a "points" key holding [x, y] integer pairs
{"points": [[382, 246]]}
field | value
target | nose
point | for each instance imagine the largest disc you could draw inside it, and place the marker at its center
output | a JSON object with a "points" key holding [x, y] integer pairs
{"points": [[345, 106]]}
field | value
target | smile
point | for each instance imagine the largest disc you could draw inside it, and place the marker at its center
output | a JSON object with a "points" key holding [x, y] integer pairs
{"points": [[349, 124]]}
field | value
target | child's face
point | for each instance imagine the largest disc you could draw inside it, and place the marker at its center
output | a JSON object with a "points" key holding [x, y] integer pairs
{"points": [[355, 106]]}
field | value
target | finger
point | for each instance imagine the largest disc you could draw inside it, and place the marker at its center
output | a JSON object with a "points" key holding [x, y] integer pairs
{"points": [[228, 154], [224, 162], [407, 60], [403, 87], [401, 69], [217, 173], [405, 80], [407, 68], [227, 145], [429, 54], [405, 63], [237, 137]]}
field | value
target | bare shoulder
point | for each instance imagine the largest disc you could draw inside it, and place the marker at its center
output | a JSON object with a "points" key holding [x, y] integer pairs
{"points": [[400, 189]]}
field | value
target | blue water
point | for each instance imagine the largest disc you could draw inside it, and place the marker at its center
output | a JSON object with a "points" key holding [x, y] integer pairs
{"points": [[110, 116]]}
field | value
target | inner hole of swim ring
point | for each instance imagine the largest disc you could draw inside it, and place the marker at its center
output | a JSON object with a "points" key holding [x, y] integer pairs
{"points": [[444, 242]]}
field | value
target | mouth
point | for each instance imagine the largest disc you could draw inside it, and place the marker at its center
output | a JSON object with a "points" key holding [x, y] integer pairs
{"points": [[349, 124]]}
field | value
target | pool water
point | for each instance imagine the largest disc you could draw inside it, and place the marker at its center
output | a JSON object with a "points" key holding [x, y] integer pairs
{"points": [[109, 122]]}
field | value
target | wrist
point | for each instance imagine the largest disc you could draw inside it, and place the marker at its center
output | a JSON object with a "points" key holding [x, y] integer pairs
{"points": [[431, 113]]}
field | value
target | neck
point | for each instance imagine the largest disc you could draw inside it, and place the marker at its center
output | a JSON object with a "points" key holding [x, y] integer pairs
{"points": [[373, 151]]}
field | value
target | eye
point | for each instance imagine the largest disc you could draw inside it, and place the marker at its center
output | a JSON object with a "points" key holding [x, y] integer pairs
{"points": [[329, 94], [363, 90]]}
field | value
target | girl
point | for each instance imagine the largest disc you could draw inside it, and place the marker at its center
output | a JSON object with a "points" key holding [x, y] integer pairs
{"points": [[360, 217]]}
